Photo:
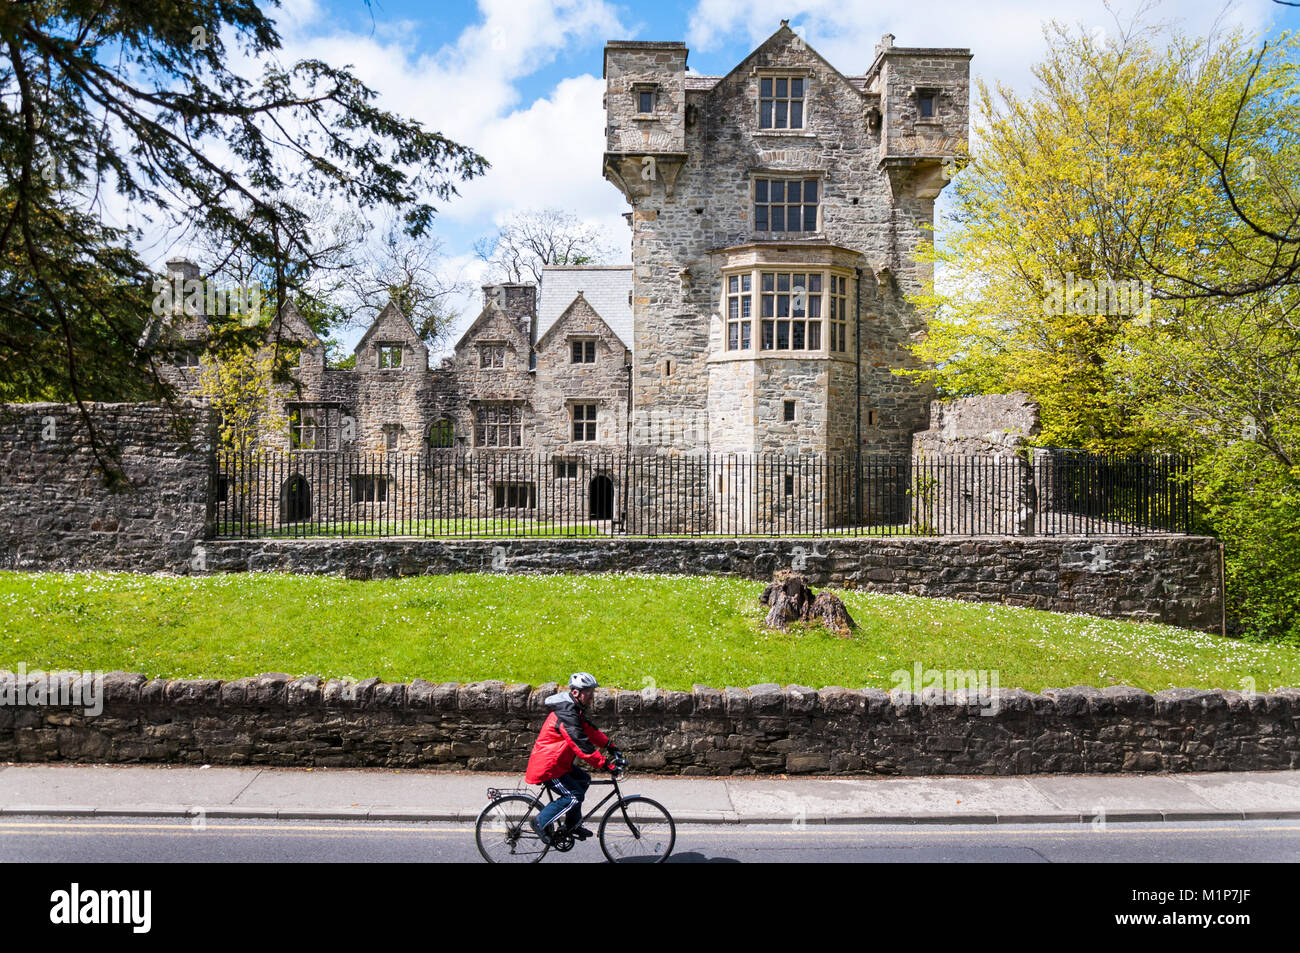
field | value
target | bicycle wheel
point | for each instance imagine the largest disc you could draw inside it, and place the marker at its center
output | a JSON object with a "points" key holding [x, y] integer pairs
{"points": [[637, 830], [504, 832]]}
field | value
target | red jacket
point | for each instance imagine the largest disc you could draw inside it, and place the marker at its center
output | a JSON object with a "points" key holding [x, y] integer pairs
{"points": [[566, 734]]}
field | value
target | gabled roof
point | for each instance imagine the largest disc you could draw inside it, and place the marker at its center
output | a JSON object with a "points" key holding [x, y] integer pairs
{"points": [[490, 311], [290, 325], [577, 302], [391, 318], [784, 36], [607, 288]]}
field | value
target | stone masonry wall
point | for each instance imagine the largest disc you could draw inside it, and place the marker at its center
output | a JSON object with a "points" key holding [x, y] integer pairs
{"points": [[1170, 579], [275, 720], [58, 512]]}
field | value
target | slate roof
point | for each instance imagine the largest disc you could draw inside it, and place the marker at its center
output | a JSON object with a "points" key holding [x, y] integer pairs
{"points": [[607, 288]]}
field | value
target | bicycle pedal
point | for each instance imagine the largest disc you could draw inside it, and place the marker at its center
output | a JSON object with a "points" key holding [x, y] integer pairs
{"points": [[563, 843], [581, 833]]}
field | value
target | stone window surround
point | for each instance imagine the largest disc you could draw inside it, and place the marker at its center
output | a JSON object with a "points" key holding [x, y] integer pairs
{"points": [[514, 495], [774, 73], [589, 424], [489, 352], [325, 422], [390, 347], [756, 352], [365, 488], [584, 339], [787, 175], [639, 87], [442, 433], [498, 417], [916, 93]]}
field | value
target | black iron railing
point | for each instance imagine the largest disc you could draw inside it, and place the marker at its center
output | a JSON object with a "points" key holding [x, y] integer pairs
{"points": [[508, 493]]}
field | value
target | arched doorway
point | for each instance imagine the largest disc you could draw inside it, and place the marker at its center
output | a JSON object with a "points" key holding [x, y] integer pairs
{"points": [[295, 500], [600, 498]]}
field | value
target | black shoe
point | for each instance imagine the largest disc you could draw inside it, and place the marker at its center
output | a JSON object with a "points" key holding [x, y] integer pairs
{"points": [[541, 834], [581, 833]]}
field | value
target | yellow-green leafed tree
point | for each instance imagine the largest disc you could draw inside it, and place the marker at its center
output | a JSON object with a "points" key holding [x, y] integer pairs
{"points": [[1124, 245], [1093, 223], [238, 385]]}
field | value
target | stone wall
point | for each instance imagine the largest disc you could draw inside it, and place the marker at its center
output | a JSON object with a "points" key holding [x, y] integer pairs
{"points": [[57, 511], [985, 424], [973, 471], [275, 720], [1171, 579]]}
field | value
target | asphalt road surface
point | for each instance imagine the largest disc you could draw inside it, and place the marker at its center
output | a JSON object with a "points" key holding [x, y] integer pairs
{"points": [[93, 840]]}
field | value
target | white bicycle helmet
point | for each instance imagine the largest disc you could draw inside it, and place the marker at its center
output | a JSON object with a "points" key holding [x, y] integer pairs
{"points": [[582, 680]]}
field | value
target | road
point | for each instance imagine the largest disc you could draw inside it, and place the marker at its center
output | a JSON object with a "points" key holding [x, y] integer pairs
{"points": [[93, 840]]}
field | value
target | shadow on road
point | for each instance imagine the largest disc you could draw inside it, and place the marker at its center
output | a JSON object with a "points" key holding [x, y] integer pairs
{"points": [[695, 857]]}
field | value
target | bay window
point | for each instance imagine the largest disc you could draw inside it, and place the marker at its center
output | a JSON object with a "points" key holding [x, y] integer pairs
{"points": [[739, 312], [795, 311]]}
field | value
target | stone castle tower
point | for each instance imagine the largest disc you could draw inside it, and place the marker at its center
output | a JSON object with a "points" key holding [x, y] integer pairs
{"points": [[775, 211]]}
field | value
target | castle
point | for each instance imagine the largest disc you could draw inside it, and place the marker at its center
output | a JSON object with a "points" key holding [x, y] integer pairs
{"points": [[774, 214]]}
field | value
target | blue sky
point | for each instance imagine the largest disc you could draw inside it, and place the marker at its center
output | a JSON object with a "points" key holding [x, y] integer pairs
{"points": [[519, 80]]}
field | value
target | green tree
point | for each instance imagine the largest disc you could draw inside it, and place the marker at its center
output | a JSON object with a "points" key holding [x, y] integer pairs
{"points": [[140, 99], [238, 385], [1125, 247]]}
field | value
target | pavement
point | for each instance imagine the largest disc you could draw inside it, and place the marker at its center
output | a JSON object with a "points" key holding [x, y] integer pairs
{"points": [[398, 795]]}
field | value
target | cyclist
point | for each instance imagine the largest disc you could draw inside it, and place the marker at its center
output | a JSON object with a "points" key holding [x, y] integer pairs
{"points": [[566, 735]]}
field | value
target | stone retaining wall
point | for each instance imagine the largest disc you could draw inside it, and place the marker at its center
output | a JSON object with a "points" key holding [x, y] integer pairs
{"points": [[274, 720], [1171, 579], [58, 511]]}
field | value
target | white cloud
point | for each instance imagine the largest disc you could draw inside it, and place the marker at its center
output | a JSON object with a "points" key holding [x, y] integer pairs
{"points": [[544, 153], [1006, 37]]}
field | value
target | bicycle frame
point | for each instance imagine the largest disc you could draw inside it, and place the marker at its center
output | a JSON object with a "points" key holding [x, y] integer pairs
{"points": [[550, 797], [616, 793]]}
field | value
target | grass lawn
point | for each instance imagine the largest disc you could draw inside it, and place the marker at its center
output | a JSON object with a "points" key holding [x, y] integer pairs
{"points": [[631, 631]]}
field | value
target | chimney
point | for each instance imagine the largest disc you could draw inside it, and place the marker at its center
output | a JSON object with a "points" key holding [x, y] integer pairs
{"points": [[181, 271], [886, 43], [182, 268], [518, 301]]}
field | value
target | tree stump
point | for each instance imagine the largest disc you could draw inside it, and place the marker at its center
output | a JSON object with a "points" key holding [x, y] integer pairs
{"points": [[790, 599]]}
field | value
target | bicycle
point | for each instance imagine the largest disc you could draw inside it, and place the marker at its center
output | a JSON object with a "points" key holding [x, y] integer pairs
{"points": [[635, 828]]}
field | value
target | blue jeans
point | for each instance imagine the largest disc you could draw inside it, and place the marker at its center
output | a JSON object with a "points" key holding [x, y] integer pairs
{"points": [[569, 789]]}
